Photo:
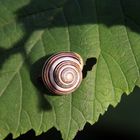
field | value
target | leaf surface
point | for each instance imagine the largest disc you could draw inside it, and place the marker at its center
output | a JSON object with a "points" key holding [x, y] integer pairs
{"points": [[32, 30]]}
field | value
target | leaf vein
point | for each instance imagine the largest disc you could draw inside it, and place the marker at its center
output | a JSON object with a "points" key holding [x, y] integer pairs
{"points": [[20, 107], [125, 77]]}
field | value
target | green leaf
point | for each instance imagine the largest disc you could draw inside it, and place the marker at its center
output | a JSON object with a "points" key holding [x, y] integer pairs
{"points": [[31, 30]]}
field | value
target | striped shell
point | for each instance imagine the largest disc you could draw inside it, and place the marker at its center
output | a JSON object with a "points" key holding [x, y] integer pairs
{"points": [[62, 72]]}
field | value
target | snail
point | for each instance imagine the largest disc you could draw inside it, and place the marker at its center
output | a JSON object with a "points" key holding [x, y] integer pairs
{"points": [[62, 72]]}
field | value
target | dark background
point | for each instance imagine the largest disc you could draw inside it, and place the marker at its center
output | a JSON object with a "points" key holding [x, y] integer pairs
{"points": [[120, 123]]}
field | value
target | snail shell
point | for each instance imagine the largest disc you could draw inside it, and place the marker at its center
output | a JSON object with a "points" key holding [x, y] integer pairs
{"points": [[62, 72]]}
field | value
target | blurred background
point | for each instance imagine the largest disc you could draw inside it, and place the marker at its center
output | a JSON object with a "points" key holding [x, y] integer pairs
{"points": [[120, 123]]}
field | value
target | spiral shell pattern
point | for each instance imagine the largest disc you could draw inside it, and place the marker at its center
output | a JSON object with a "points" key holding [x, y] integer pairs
{"points": [[62, 72]]}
